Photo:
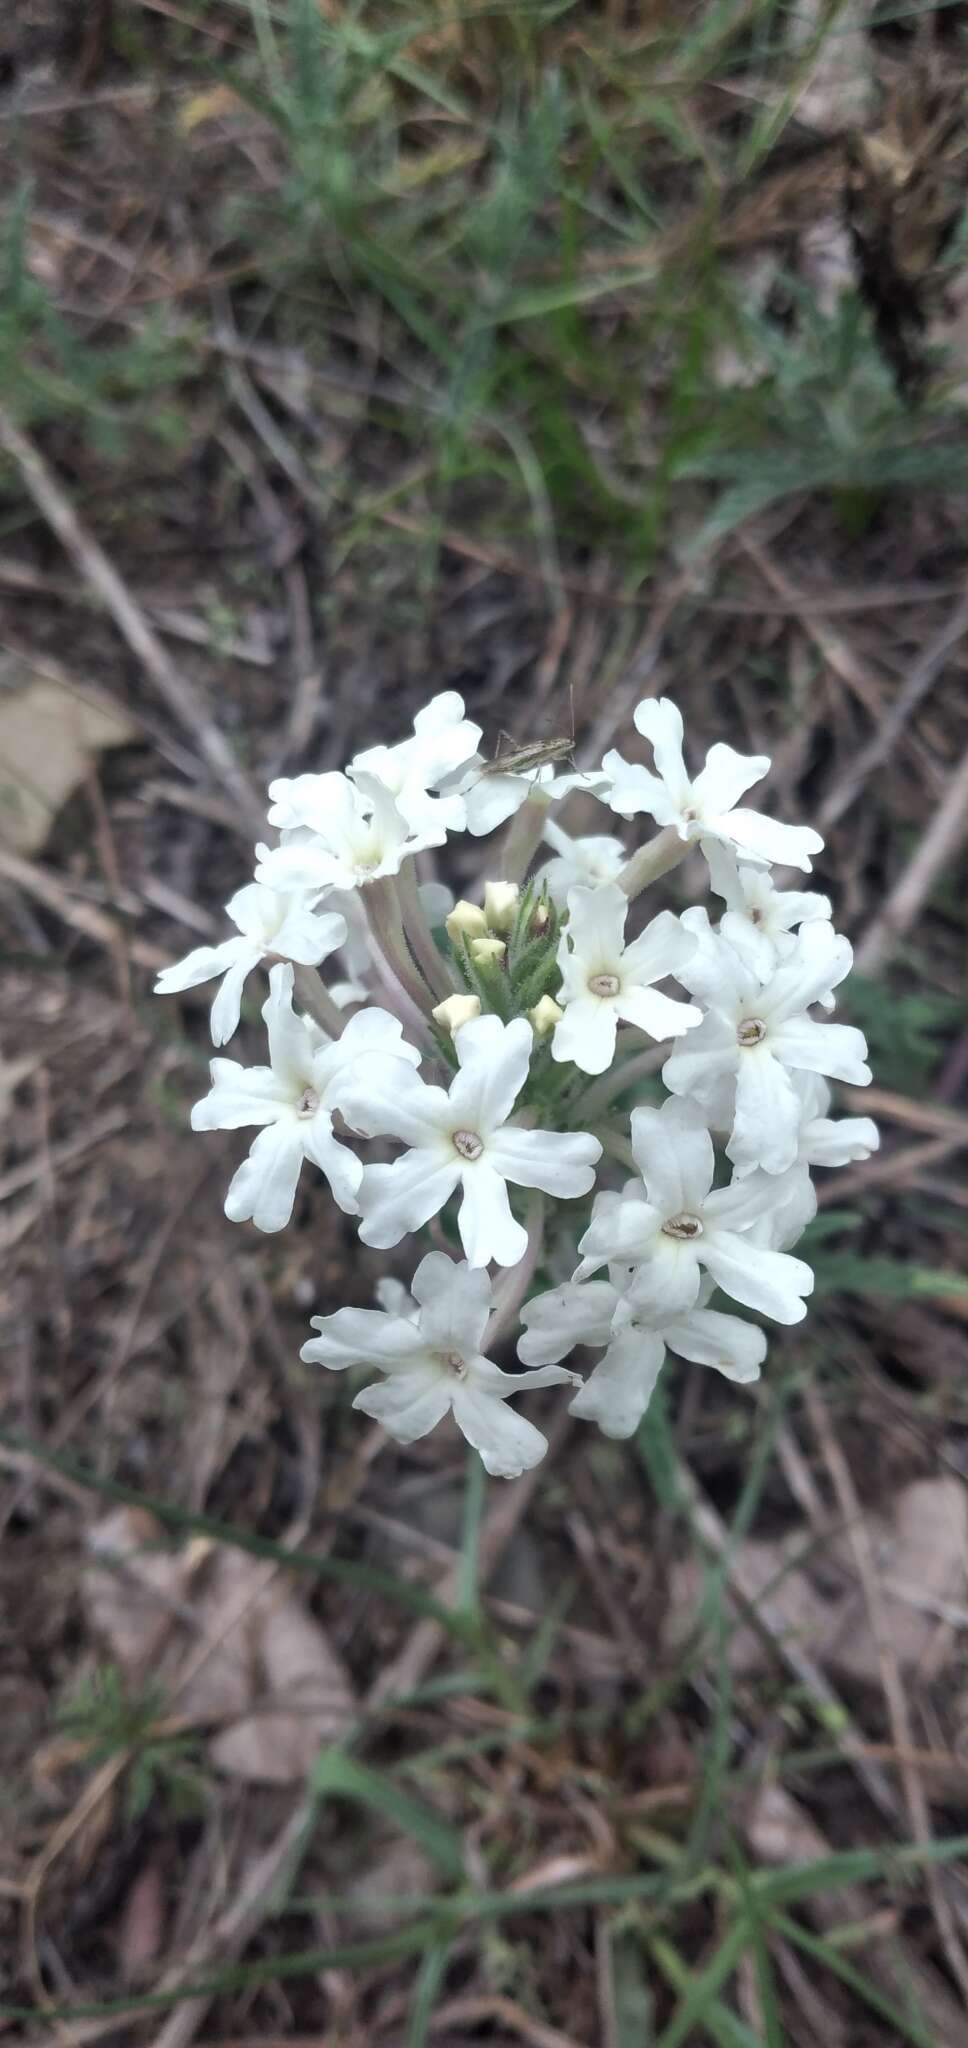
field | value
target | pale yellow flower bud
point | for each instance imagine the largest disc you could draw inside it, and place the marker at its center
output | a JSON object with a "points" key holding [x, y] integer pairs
{"points": [[545, 1016], [457, 1010], [487, 952], [501, 901], [466, 920]]}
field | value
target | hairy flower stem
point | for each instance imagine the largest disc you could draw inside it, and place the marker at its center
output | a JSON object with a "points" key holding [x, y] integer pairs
{"points": [[619, 1078], [310, 995], [419, 935], [524, 837], [519, 1277], [383, 910], [661, 854], [615, 1145]]}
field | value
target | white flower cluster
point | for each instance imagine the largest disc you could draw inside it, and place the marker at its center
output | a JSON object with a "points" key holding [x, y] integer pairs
{"points": [[508, 1044]]}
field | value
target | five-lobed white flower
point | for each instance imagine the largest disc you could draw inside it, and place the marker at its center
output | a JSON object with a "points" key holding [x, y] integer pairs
{"points": [[293, 1099], [429, 1348], [703, 808], [461, 1138], [759, 919], [605, 982], [600, 1313], [674, 1225], [267, 924], [337, 834], [415, 771], [578, 863], [756, 1034]]}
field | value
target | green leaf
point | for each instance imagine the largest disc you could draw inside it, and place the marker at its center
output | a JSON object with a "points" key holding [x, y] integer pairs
{"points": [[341, 1776]]}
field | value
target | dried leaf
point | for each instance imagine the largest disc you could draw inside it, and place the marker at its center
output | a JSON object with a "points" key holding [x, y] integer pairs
{"points": [[228, 1639], [49, 736]]}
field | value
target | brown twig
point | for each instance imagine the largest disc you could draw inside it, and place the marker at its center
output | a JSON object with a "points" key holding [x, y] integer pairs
{"points": [[938, 844]]}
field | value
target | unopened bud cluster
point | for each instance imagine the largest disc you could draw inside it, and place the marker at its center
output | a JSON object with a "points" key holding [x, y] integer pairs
{"points": [[504, 1047]]}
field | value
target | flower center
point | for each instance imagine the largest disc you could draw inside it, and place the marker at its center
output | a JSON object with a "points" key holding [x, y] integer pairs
{"points": [[752, 1031], [468, 1144], [453, 1363], [683, 1227], [756, 916], [308, 1103], [604, 984]]}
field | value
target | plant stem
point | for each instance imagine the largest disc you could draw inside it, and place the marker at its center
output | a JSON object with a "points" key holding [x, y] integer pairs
{"points": [[525, 834], [383, 911], [419, 935], [619, 1078], [615, 1145], [515, 1287], [312, 996], [663, 852]]}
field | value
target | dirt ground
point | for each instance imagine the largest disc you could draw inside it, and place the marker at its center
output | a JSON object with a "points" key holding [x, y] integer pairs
{"points": [[695, 1766]]}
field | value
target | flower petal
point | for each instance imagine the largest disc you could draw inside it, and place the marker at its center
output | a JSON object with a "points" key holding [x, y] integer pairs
{"points": [[655, 1014], [383, 1098], [726, 777], [343, 1170], [698, 1065], [239, 1096], [596, 925], [634, 789], [455, 1302], [264, 1187], [660, 721], [290, 1043], [662, 948], [835, 1049], [706, 1337], [364, 1336], [586, 1034], [227, 1007], [202, 964], [766, 1121], [567, 1315], [487, 1228], [766, 839], [618, 1391], [772, 1283], [408, 1405], [674, 1153], [559, 1162], [494, 1059], [397, 1198], [508, 1443]]}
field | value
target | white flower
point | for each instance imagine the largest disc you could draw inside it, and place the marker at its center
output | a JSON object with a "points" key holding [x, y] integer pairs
{"points": [[461, 1138], [413, 771], [703, 808], [429, 1347], [823, 1140], [604, 981], [756, 1034], [337, 834], [599, 1313], [493, 796], [267, 923], [578, 863], [293, 1098], [675, 1225], [759, 919]]}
